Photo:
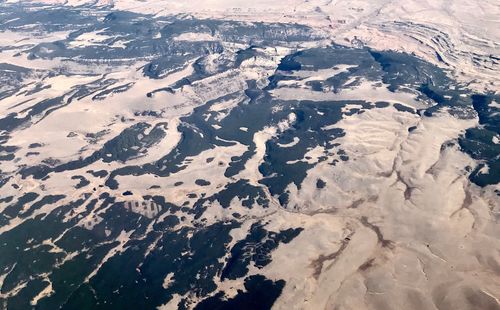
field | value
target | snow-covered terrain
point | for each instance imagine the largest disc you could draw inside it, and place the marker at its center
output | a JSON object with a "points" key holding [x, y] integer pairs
{"points": [[249, 154], [460, 35]]}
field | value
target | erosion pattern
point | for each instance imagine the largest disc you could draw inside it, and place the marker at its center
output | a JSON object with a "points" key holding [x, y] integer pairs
{"points": [[176, 163]]}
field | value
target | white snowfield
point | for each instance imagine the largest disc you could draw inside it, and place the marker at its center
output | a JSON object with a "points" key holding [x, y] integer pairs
{"points": [[460, 35], [397, 226]]}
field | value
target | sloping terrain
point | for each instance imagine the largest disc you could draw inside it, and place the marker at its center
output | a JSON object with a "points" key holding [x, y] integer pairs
{"points": [[226, 158]]}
